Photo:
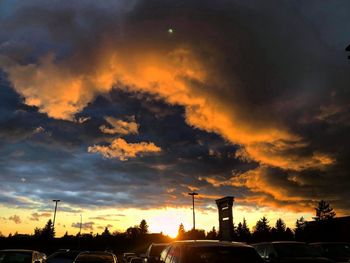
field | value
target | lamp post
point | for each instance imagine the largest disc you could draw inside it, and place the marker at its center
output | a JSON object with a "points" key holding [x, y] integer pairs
{"points": [[54, 215], [194, 217]]}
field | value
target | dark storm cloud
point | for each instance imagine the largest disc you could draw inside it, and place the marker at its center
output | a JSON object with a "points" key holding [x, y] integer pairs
{"points": [[276, 73]]}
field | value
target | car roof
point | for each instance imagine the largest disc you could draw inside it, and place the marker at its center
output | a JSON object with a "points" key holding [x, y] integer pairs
{"points": [[330, 243], [97, 252], [160, 244], [19, 250], [279, 242], [213, 243]]}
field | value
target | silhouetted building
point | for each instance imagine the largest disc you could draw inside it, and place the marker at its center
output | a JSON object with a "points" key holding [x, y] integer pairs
{"points": [[226, 230]]}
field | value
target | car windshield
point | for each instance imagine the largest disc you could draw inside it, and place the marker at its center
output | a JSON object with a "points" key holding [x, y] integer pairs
{"points": [[338, 250], [156, 250], [15, 257], [222, 254], [98, 258], [295, 250]]}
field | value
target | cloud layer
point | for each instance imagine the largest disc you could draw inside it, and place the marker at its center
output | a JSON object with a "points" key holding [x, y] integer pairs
{"points": [[265, 78]]}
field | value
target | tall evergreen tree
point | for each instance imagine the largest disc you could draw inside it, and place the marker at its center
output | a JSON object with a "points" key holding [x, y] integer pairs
{"points": [[106, 233], [243, 232], [299, 229], [48, 232], [262, 230], [212, 234], [181, 232], [324, 211], [143, 227], [278, 232]]}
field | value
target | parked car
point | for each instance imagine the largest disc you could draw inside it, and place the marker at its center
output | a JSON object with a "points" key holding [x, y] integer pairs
{"points": [[337, 251], [96, 257], [153, 252], [136, 260], [21, 256], [129, 258], [288, 252], [205, 251], [63, 256], [128, 255]]}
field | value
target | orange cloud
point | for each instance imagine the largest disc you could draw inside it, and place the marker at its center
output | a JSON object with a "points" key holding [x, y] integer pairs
{"points": [[123, 150], [179, 77], [119, 127]]}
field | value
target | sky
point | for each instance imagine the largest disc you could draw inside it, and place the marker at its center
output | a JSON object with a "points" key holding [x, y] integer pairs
{"points": [[120, 108]]}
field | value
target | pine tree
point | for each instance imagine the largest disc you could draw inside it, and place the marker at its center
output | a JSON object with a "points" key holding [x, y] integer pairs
{"points": [[299, 229], [324, 211], [243, 232], [143, 227], [262, 230], [279, 231], [106, 232], [48, 232], [212, 234], [181, 232], [280, 226]]}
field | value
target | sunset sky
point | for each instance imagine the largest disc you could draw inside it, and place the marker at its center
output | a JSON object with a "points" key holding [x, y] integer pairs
{"points": [[120, 108]]}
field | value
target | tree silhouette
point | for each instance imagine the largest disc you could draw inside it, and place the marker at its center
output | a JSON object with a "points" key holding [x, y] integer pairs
{"points": [[281, 232], [280, 226], [106, 233], [133, 232], [212, 234], [324, 211], [47, 232], [299, 229], [243, 232], [181, 232], [262, 230], [195, 234], [143, 227]]}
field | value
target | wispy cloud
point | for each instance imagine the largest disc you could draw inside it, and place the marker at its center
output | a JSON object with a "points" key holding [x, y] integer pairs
{"points": [[16, 219]]}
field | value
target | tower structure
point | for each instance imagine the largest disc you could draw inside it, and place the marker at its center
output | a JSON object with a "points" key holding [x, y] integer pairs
{"points": [[225, 218]]}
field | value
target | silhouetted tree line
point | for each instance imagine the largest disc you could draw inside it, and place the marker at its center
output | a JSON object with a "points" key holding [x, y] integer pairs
{"points": [[138, 238], [262, 231]]}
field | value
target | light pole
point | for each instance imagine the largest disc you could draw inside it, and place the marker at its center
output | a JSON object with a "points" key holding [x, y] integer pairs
{"points": [[54, 215], [194, 217]]}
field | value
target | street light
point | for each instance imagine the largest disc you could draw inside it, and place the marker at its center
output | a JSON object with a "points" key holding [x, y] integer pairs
{"points": [[54, 215], [194, 217]]}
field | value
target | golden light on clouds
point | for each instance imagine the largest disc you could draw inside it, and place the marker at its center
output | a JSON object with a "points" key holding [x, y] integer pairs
{"points": [[119, 126], [121, 149], [175, 76]]}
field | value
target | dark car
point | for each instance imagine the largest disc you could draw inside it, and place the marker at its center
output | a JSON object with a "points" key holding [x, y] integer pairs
{"points": [[136, 260], [21, 256], [204, 251], [153, 252], [288, 252], [128, 255], [337, 251], [96, 257], [63, 256]]}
